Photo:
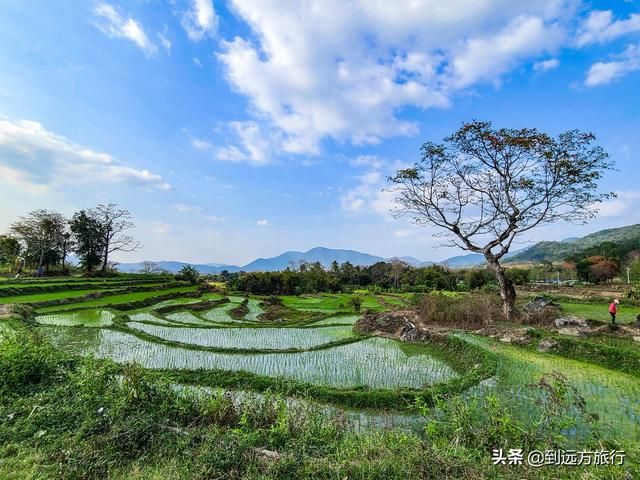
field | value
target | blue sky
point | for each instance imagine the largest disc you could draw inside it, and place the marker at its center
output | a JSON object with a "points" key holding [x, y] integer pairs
{"points": [[239, 129]]}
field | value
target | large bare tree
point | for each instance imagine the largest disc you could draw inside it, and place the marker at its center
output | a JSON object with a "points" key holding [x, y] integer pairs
{"points": [[113, 223], [483, 187]]}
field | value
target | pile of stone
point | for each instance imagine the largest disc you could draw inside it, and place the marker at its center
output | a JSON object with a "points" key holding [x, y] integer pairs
{"points": [[572, 326]]}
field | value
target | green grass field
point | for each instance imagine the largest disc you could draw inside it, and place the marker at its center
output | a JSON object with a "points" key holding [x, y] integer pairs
{"points": [[600, 312]]}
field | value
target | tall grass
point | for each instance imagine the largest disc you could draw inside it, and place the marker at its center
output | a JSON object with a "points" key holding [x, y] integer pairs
{"points": [[470, 311]]}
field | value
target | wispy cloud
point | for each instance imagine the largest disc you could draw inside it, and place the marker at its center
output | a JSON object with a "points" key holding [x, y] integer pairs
{"points": [[546, 65], [113, 23], [197, 210], [200, 20], [600, 27], [603, 73], [263, 223]]}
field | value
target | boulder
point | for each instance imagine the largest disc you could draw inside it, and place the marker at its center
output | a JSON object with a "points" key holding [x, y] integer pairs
{"points": [[636, 339], [409, 332], [571, 321], [574, 331], [539, 304], [546, 344], [571, 331], [5, 311]]}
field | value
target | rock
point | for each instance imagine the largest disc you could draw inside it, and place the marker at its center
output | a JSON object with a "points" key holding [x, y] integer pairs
{"points": [[538, 304], [5, 311], [570, 321], [636, 339], [546, 345], [572, 331], [409, 332], [505, 339], [264, 453]]}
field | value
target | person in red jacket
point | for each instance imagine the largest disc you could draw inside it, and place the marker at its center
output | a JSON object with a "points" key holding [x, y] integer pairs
{"points": [[613, 309]]}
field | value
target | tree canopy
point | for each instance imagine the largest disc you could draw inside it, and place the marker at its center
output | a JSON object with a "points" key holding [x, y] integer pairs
{"points": [[483, 187]]}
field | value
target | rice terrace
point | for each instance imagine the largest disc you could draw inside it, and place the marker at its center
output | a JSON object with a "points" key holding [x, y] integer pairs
{"points": [[287, 239]]}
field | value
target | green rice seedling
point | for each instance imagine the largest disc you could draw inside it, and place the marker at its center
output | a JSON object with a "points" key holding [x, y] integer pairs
{"points": [[338, 320], [117, 299], [147, 316], [612, 395], [254, 310], [246, 338], [87, 318], [185, 317], [44, 297], [219, 314], [375, 362]]}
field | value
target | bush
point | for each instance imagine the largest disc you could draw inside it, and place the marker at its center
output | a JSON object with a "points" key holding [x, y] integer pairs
{"points": [[26, 360], [465, 311], [478, 277], [356, 302], [188, 273]]}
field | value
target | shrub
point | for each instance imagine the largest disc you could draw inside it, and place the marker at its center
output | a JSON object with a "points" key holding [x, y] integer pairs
{"points": [[477, 278], [466, 311], [26, 360], [356, 302], [188, 273]]}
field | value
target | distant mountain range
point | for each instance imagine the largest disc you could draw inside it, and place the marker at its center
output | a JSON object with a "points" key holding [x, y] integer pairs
{"points": [[551, 251], [288, 259]]}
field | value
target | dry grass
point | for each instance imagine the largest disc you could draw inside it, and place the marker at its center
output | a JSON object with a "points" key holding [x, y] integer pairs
{"points": [[467, 311]]}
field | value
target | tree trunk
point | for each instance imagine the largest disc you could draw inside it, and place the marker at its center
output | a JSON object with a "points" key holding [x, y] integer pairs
{"points": [[106, 255], [507, 290]]}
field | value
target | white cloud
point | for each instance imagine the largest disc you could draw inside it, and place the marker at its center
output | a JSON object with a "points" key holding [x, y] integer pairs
{"points": [[602, 73], [39, 160], [200, 20], [214, 218], [367, 160], [159, 227], [184, 208], [201, 144], [164, 41], [255, 146], [197, 210], [546, 65], [371, 178], [624, 204], [312, 74], [114, 24], [197, 62], [488, 58], [263, 223], [600, 27]]}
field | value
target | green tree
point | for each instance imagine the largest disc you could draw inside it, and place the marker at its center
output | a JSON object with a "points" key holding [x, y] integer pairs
{"points": [[88, 239], [189, 274], [9, 250], [42, 234], [483, 187]]}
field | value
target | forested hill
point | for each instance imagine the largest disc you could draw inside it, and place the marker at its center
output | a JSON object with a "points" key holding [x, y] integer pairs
{"points": [[628, 236]]}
